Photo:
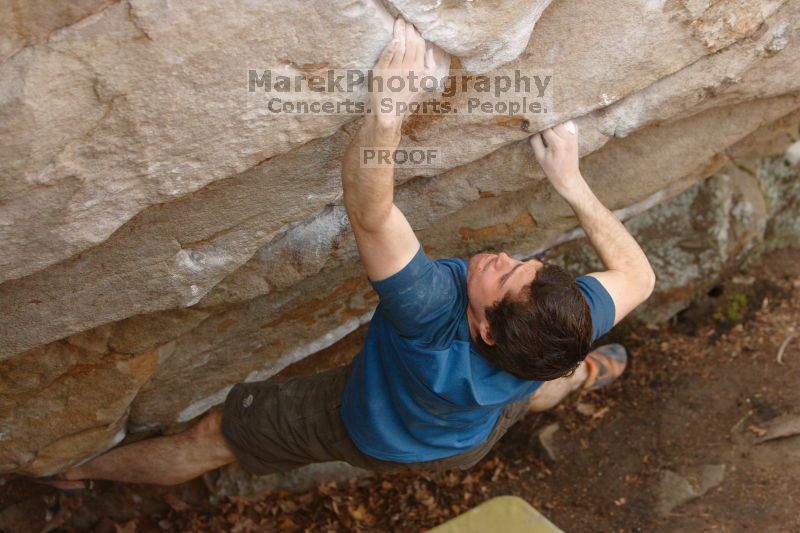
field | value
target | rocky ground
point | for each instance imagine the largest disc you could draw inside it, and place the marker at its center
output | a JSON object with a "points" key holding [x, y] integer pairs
{"points": [[696, 437]]}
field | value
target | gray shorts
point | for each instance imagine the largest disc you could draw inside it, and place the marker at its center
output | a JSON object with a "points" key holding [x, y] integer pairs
{"points": [[276, 427]]}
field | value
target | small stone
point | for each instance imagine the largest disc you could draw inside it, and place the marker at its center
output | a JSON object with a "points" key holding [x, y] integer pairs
{"points": [[786, 425], [711, 476], [793, 153], [546, 441], [743, 280], [675, 489]]}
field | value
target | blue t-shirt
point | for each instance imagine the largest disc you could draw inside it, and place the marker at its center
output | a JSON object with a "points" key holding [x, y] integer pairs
{"points": [[419, 389]]}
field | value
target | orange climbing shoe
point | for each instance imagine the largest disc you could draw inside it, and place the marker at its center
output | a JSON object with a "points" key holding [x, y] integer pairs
{"points": [[605, 365]]}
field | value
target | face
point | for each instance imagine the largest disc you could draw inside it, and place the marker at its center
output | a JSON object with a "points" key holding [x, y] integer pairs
{"points": [[489, 278]]}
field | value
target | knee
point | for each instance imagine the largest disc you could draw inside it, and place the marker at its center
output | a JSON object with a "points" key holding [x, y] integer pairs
{"points": [[205, 443], [541, 402], [208, 426]]}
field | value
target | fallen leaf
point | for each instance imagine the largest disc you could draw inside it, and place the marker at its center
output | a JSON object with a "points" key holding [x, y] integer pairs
{"points": [[360, 514], [176, 503], [469, 479], [601, 413], [287, 506], [287, 524], [127, 527]]}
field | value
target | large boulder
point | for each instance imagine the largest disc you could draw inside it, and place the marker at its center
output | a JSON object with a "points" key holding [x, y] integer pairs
{"points": [[164, 237]]}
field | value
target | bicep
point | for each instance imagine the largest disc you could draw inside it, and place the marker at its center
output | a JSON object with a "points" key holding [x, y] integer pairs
{"points": [[388, 247], [623, 291]]}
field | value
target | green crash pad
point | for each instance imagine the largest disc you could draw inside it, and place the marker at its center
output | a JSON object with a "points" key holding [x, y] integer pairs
{"points": [[508, 514]]}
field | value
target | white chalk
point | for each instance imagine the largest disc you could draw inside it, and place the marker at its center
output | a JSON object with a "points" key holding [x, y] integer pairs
{"points": [[571, 127], [793, 153]]}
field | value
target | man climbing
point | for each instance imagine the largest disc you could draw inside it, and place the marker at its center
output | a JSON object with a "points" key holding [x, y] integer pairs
{"points": [[456, 352]]}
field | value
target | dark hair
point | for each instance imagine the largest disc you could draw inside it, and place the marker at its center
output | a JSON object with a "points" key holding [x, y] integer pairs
{"points": [[544, 332]]}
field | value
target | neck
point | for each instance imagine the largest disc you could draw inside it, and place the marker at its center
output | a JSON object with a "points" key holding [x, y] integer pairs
{"points": [[473, 323]]}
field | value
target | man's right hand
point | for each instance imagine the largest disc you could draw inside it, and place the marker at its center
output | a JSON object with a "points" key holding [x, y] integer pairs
{"points": [[407, 55], [556, 150]]}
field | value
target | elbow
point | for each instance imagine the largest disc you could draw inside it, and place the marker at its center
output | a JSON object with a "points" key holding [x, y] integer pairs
{"points": [[648, 283], [640, 281], [367, 220]]}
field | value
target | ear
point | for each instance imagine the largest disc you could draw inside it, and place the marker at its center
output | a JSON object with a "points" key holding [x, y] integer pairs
{"points": [[485, 334]]}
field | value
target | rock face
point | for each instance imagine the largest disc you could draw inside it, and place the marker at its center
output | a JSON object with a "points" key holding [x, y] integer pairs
{"points": [[164, 237]]}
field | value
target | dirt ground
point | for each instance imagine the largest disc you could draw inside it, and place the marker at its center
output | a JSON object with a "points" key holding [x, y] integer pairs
{"points": [[684, 422]]}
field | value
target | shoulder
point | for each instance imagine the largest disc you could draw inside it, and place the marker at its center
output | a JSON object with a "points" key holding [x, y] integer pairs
{"points": [[455, 265], [601, 305], [419, 267], [424, 297]]}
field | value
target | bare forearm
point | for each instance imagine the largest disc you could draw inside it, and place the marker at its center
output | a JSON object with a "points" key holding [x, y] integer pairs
{"points": [[628, 278], [369, 192], [617, 249]]}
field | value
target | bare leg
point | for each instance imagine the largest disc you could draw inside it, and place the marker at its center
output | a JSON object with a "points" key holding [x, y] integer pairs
{"points": [[552, 392], [600, 369], [166, 460]]}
